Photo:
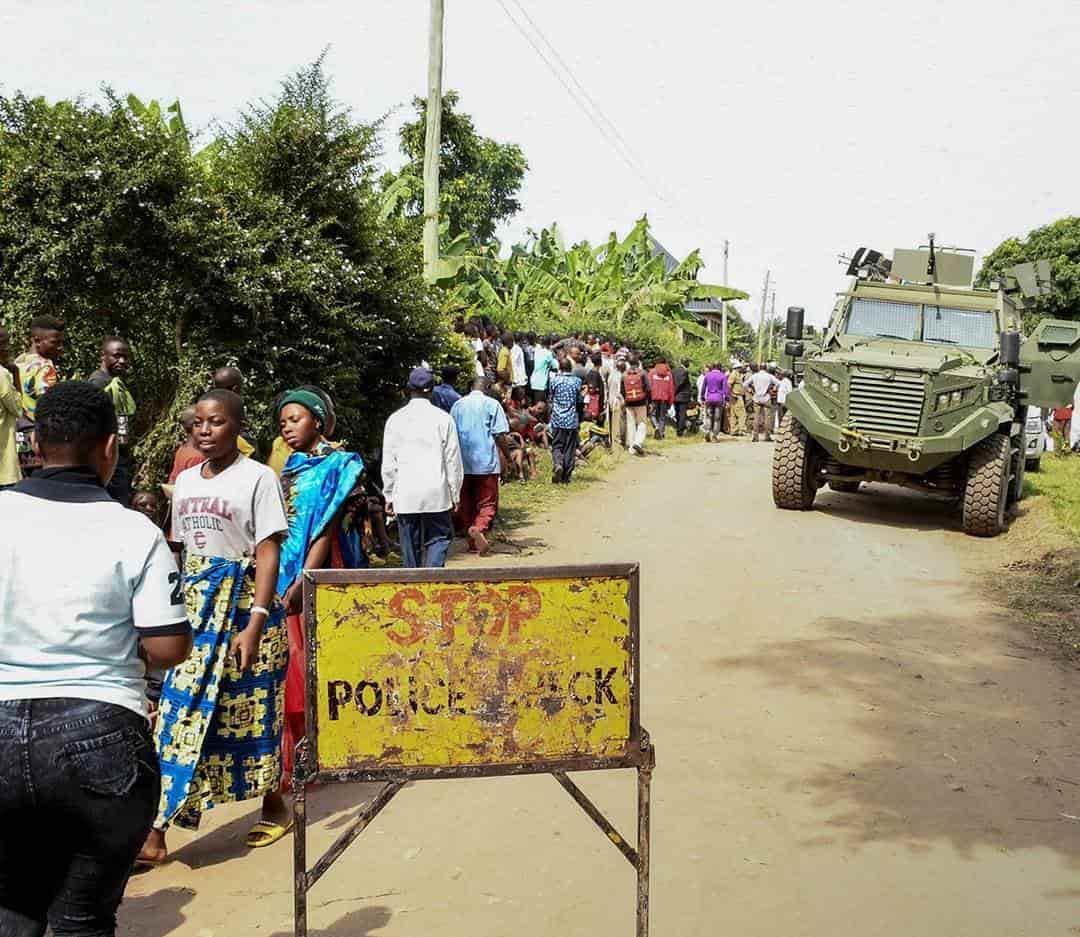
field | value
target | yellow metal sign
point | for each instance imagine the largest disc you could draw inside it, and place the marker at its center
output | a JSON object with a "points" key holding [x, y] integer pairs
{"points": [[472, 671]]}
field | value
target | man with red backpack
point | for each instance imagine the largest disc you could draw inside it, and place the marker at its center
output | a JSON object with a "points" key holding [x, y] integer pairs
{"points": [[635, 392], [662, 393]]}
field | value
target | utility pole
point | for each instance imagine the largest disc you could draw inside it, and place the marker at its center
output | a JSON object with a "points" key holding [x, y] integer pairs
{"points": [[761, 324], [772, 323], [723, 306], [433, 141]]}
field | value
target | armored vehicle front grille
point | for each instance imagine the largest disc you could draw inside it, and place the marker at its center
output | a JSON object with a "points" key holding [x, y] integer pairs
{"points": [[887, 401]]}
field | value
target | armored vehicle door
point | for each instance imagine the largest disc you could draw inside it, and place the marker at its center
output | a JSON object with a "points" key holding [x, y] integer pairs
{"points": [[1050, 363]]}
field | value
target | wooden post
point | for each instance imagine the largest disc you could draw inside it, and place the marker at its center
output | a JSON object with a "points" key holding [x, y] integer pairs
{"points": [[761, 322], [723, 306]]}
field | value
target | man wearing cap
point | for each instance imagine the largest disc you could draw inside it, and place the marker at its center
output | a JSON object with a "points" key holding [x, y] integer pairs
{"points": [[422, 474]]}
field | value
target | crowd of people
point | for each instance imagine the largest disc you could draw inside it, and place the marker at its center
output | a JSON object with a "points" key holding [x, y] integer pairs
{"points": [[183, 602]]}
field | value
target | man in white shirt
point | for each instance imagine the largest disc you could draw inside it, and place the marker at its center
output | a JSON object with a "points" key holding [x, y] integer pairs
{"points": [[519, 375], [785, 388], [760, 382], [422, 474], [89, 596]]}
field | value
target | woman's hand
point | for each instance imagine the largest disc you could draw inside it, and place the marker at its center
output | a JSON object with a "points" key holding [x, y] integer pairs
{"points": [[245, 647], [294, 598]]}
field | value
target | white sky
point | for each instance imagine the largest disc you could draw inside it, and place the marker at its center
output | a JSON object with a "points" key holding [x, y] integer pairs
{"points": [[798, 130]]}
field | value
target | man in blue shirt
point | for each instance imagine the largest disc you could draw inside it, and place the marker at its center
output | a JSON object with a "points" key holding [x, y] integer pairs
{"points": [[481, 426], [564, 392], [444, 396], [543, 365]]}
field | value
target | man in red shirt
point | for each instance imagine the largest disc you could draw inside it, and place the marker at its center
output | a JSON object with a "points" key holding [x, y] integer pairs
{"points": [[187, 455], [1063, 422], [662, 391]]}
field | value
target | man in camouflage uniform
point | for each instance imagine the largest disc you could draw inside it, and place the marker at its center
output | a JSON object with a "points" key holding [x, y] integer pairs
{"points": [[737, 417]]}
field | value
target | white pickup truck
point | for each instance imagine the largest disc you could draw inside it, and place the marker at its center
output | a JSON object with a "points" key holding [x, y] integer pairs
{"points": [[1035, 438]]}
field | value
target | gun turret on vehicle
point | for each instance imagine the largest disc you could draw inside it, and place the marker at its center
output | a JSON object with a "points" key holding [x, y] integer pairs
{"points": [[923, 381]]}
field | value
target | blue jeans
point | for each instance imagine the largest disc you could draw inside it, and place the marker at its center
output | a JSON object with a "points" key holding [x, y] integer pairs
{"points": [[79, 784], [425, 541]]}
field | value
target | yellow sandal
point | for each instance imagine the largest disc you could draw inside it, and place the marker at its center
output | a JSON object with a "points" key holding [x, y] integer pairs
{"points": [[265, 833]]}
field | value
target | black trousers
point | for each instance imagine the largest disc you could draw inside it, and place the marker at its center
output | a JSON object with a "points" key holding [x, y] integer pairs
{"points": [[680, 416], [123, 478], [79, 786], [563, 451]]}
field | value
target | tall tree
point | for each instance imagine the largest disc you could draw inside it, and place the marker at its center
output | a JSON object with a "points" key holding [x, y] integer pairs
{"points": [[266, 249], [479, 178], [1058, 242]]}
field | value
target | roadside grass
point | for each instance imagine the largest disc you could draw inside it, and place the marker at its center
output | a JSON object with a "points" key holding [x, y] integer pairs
{"points": [[1042, 564]]}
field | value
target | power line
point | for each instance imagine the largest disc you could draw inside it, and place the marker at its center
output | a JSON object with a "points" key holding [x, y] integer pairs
{"points": [[584, 91], [585, 109], [588, 105]]}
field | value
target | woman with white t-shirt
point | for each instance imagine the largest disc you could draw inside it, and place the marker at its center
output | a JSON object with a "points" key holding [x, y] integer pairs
{"points": [[219, 724]]}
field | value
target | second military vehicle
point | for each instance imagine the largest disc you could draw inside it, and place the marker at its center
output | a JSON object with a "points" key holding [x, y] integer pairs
{"points": [[922, 380]]}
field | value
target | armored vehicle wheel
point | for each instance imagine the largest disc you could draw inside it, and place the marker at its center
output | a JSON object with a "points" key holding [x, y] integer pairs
{"points": [[796, 458], [987, 487], [847, 488]]}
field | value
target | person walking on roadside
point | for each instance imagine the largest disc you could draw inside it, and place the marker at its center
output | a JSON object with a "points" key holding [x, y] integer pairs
{"points": [[565, 394], [616, 404], [187, 454], [1062, 422], [504, 362], [783, 389], [218, 735], [715, 394], [543, 365], [662, 395], [110, 377], [595, 404], [10, 411], [422, 474], [38, 371], [528, 348], [635, 392], [482, 426], [230, 379], [81, 618], [773, 391], [684, 392], [445, 395], [319, 483], [762, 384], [519, 373]]}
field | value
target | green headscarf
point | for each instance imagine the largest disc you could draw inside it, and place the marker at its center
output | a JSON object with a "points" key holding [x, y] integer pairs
{"points": [[306, 399]]}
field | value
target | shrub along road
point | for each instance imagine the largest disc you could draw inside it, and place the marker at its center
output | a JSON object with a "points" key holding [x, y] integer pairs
{"points": [[850, 737]]}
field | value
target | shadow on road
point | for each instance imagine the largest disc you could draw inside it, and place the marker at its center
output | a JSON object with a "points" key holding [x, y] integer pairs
{"points": [[891, 506], [974, 732], [159, 914], [360, 923]]}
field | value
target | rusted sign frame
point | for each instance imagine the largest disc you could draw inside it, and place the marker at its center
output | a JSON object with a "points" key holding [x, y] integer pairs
{"points": [[638, 754]]}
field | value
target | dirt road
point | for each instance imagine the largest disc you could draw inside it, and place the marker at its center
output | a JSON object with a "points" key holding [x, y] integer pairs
{"points": [[849, 740]]}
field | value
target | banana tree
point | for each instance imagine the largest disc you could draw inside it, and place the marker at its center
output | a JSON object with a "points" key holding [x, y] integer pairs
{"points": [[619, 282]]}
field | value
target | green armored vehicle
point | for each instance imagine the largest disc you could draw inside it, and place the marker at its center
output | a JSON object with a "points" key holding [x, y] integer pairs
{"points": [[921, 380]]}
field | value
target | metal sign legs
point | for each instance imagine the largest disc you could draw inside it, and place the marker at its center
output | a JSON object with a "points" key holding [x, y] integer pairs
{"points": [[304, 879]]}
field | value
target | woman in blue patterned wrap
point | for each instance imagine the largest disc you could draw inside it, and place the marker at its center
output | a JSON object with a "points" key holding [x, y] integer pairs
{"points": [[318, 481], [220, 718]]}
